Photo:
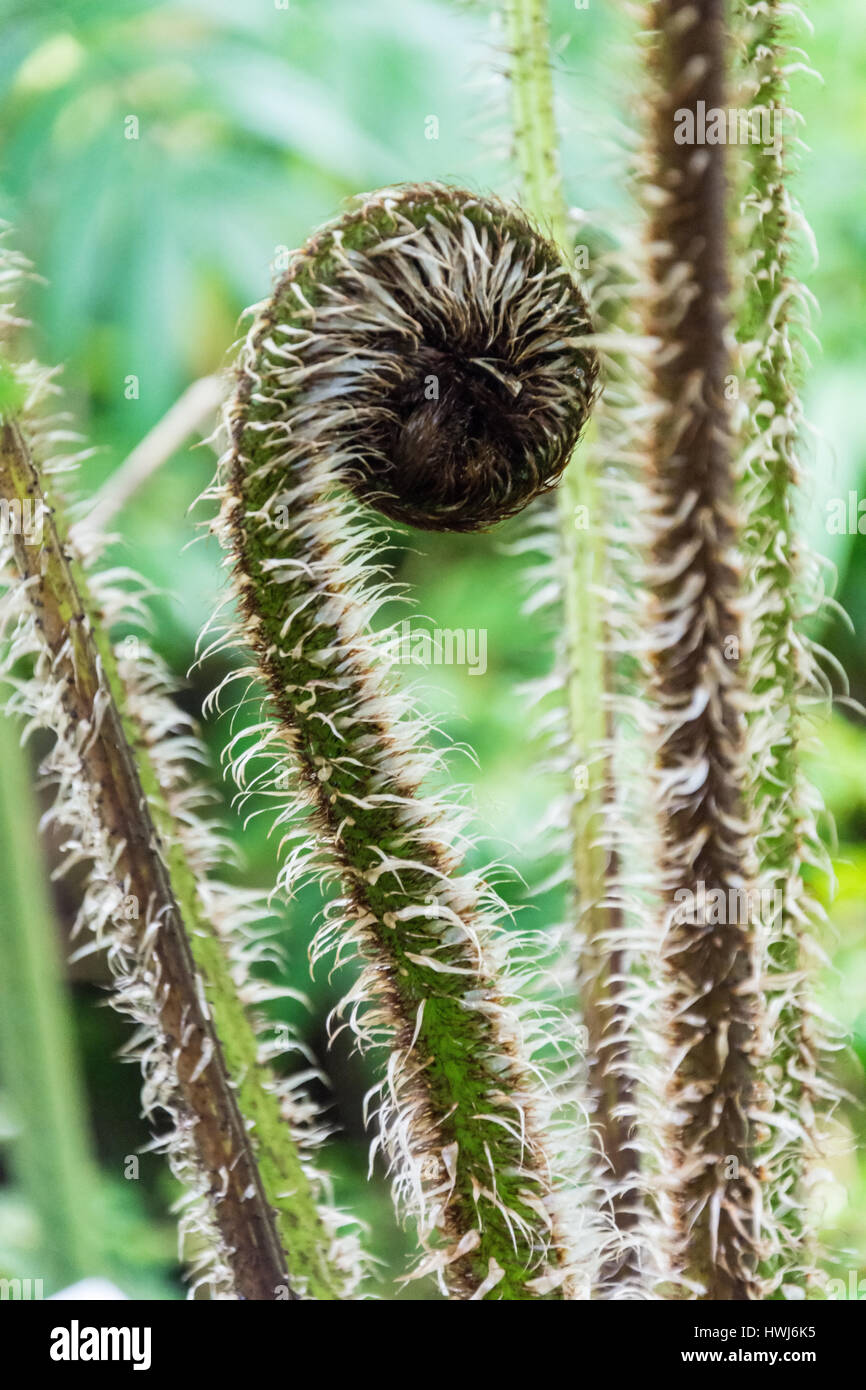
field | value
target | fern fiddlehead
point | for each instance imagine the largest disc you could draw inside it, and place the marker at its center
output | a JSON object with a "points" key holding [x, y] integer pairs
{"points": [[425, 354]]}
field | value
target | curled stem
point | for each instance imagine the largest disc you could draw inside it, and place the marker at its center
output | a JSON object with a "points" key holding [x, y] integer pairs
{"points": [[413, 354]]}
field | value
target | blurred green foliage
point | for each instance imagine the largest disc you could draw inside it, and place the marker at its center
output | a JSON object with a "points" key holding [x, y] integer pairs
{"points": [[155, 160]]}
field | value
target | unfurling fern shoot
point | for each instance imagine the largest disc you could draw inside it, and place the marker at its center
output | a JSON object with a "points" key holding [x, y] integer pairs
{"points": [[424, 356]]}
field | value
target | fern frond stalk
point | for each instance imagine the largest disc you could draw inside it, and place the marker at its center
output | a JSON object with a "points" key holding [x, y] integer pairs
{"points": [[199, 1052], [582, 564], [414, 355], [712, 1195], [773, 315]]}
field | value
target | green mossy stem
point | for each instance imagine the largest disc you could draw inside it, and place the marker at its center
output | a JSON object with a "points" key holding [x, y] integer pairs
{"points": [[461, 1089], [259, 1194]]}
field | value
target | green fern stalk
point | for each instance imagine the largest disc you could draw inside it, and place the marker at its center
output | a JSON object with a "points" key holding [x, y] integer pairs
{"points": [[413, 355], [50, 1158], [125, 804]]}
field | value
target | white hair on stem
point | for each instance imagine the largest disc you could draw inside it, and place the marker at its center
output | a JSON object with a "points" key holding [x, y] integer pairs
{"points": [[712, 1012]]}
